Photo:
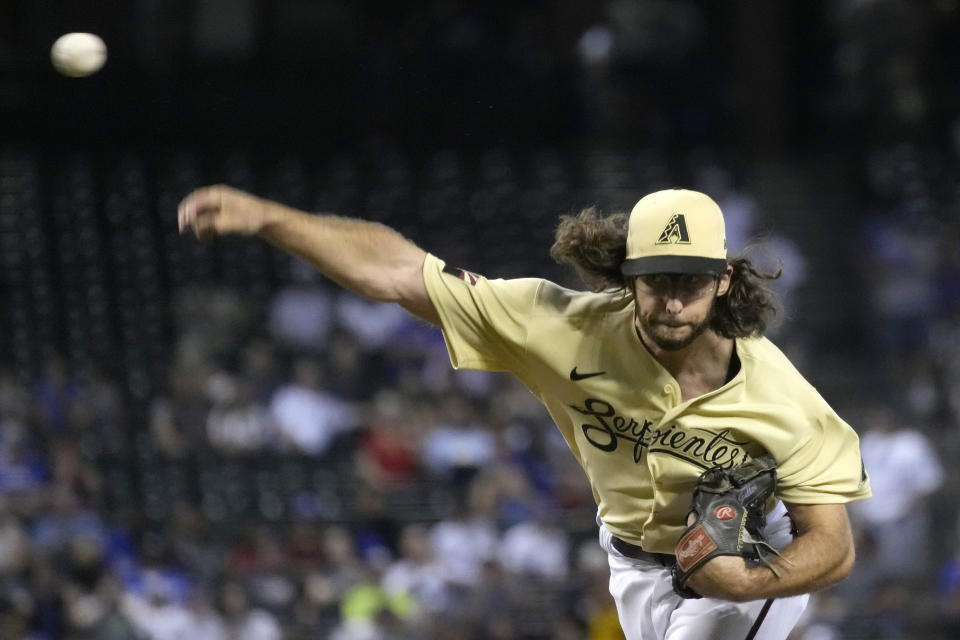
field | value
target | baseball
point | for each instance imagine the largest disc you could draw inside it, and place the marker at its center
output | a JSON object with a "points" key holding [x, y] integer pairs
{"points": [[76, 55]]}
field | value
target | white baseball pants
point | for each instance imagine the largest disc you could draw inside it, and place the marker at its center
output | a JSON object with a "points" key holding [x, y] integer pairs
{"points": [[650, 610]]}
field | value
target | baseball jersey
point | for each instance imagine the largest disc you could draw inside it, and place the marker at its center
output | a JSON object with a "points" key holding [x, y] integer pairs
{"points": [[621, 413]]}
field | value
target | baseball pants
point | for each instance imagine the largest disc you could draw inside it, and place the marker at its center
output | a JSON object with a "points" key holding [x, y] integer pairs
{"points": [[650, 610]]}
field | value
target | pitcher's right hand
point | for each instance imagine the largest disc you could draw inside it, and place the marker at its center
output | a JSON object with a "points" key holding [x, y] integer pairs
{"points": [[220, 210]]}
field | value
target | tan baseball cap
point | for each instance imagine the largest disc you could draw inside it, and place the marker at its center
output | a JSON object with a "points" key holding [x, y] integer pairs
{"points": [[675, 231]]}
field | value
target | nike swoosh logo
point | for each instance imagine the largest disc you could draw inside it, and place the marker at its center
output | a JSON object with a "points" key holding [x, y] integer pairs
{"points": [[574, 375]]}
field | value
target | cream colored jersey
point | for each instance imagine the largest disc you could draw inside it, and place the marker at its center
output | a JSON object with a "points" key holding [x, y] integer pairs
{"points": [[621, 413]]}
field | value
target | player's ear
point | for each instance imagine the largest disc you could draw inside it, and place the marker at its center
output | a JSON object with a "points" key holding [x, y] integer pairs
{"points": [[725, 279]]}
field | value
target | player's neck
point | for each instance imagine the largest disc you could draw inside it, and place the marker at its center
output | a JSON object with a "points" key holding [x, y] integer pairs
{"points": [[703, 364]]}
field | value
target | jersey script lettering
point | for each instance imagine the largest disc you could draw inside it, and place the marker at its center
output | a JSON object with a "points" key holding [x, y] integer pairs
{"points": [[705, 448]]}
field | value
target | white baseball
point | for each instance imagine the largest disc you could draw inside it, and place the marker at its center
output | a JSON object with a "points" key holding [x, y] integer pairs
{"points": [[78, 54]]}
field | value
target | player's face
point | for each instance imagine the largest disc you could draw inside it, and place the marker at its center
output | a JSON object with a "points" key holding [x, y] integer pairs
{"points": [[674, 309]]}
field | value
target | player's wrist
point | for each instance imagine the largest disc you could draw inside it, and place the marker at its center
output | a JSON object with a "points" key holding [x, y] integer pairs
{"points": [[759, 582], [722, 578], [738, 586], [265, 217]]}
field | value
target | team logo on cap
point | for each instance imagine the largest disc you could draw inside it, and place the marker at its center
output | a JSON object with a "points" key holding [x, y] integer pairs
{"points": [[675, 232]]}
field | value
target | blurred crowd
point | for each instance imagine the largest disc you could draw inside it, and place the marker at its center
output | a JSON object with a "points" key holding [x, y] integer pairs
{"points": [[314, 468], [309, 465], [431, 505]]}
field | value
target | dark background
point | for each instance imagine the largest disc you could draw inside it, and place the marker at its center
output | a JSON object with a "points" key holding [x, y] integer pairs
{"points": [[795, 76]]}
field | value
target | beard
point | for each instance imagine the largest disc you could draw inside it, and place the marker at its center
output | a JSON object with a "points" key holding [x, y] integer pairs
{"points": [[664, 336]]}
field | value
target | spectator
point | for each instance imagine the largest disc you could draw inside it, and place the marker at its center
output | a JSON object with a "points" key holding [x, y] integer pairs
{"points": [[55, 394], [190, 541], [465, 543], [98, 413], [457, 445], [71, 471], [155, 611], [948, 585], [23, 469], [243, 621], [340, 571], [236, 424], [308, 418], [270, 581], [371, 613], [14, 544], [536, 547], [97, 614], [42, 598], [351, 376], [901, 270], [15, 400], [778, 252], [300, 314], [490, 606], [260, 370], [66, 520], [206, 622], [594, 606], [304, 545], [417, 574], [177, 420], [371, 325], [904, 469], [212, 319], [388, 453]]}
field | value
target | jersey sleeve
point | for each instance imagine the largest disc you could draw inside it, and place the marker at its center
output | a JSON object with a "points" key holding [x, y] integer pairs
{"points": [[826, 467], [484, 322]]}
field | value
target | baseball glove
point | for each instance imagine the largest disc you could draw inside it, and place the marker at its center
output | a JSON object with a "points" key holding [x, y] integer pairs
{"points": [[729, 509]]}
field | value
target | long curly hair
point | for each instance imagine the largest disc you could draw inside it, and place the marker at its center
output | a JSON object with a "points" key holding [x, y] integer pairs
{"points": [[595, 246]]}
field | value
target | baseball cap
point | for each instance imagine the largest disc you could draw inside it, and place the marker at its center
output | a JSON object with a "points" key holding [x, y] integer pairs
{"points": [[675, 231]]}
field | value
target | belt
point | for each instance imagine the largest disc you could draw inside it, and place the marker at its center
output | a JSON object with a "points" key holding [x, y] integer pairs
{"points": [[636, 552]]}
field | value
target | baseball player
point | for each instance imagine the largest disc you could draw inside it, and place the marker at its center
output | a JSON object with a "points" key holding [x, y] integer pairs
{"points": [[720, 474]]}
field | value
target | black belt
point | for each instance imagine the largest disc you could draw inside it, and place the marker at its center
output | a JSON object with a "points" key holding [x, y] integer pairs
{"points": [[636, 552]]}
